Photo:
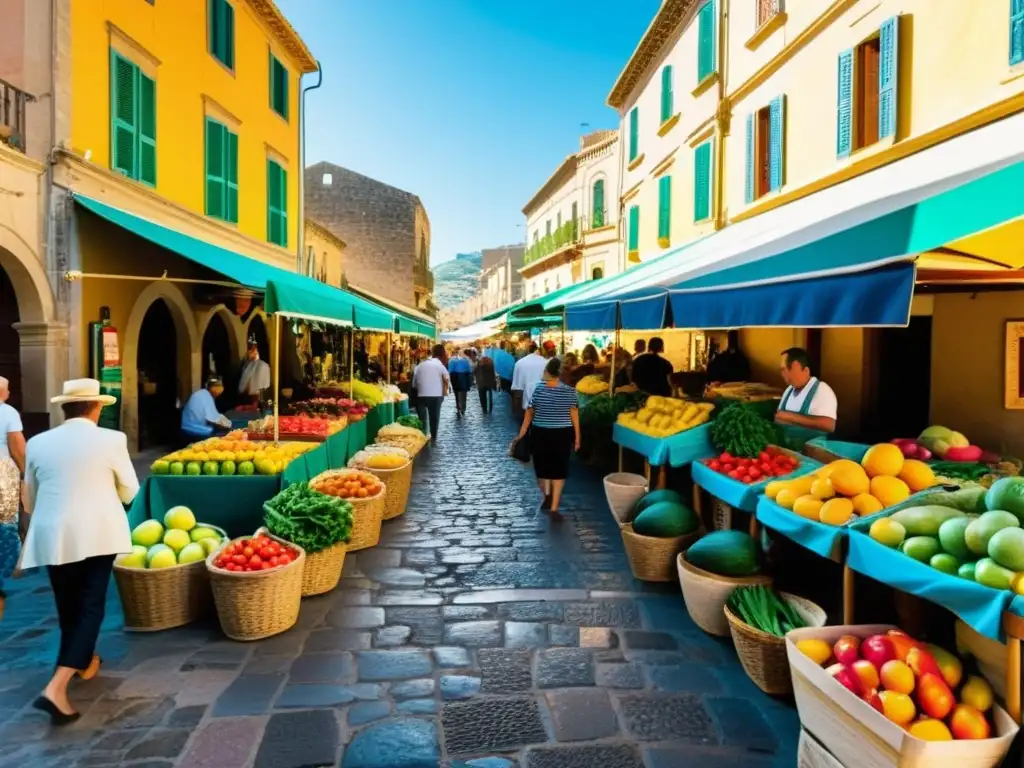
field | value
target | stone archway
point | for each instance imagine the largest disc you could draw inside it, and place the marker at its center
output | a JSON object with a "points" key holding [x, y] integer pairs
{"points": [[189, 352], [236, 330]]}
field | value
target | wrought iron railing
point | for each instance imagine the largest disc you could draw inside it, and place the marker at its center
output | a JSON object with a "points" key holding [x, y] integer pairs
{"points": [[13, 110]]}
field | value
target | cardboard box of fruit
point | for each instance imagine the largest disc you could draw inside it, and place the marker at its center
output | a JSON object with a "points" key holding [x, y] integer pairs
{"points": [[875, 698]]}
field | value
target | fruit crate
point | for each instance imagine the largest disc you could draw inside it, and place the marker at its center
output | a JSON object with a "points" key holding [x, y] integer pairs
{"points": [[856, 734]]}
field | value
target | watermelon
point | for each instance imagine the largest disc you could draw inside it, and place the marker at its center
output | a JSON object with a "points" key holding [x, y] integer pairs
{"points": [[654, 497], [665, 519], [1006, 493], [725, 553]]}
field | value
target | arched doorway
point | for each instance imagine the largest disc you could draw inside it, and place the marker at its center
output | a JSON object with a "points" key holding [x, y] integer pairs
{"points": [[217, 355], [10, 344], [258, 333], [158, 377]]}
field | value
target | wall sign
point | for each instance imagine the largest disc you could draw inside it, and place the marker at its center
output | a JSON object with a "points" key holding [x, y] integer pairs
{"points": [[1013, 388]]}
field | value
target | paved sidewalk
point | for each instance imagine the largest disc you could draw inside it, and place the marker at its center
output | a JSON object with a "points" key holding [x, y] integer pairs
{"points": [[477, 633]]}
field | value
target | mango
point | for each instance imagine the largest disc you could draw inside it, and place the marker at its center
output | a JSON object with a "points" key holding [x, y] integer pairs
{"points": [[924, 520], [977, 693], [808, 506], [991, 574], [822, 489], [949, 665], [865, 504], [968, 723], [921, 548], [883, 459], [836, 511], [887, 531], [890, 491], [980, 531], [929, 729]]}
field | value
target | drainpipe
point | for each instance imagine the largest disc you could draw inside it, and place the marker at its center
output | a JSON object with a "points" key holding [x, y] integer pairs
{"points": [[302, 160], [723, 114]]}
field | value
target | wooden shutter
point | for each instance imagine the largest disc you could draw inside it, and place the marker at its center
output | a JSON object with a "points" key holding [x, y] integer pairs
{"points": [[147, 130], [597, 215], [706, 41], [231, 177], [634, 228], [1016, 31], [123, 115], [702, 182], [215, 173], [749, 186], [634, 133], [273, 194], [575, 212], [888, 76], [278, 87], [776, 142], [664, 207], [666, 93], [844, 106], [228, 34]]}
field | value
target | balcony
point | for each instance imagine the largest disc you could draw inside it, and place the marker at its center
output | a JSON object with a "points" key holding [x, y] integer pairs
{"points": [[566, 235], [13, 108]]}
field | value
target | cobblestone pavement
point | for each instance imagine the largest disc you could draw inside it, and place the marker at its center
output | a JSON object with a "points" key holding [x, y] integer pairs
{"points": [[477, 633]]}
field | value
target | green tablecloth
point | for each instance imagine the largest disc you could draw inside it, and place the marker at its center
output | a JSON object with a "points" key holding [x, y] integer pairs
{"points": [[378, 417], [330, 454], [356, 437], [402, 408]]}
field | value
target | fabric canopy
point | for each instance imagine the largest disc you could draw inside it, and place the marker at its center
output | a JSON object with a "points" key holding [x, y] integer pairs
{"points": [[529, 322], [480, 330], [408, 320], [411, 327], [287, 293], [594, 316]]}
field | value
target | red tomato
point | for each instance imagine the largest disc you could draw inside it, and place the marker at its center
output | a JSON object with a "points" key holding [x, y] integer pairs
{"points": [[735, 474], [239, 559], [729, 467], [274, 561], [763, 456], [747, 479], [255, 561], [725, 456], [266, 552], [248, 551], [714, 465], [265, 566], [754, 473], [743, 462], [284, 558], [766, 468]]}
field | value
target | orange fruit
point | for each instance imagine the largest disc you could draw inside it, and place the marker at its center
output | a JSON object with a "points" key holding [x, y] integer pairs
{"points": [[889, 490], [930, 729], [917, 475], [808, 506], [898, 707], [850, 480], [883, 459], [836, 511], [865, 504]]}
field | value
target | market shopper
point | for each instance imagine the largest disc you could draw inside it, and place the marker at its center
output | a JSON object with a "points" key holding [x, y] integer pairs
{"points": [[809, 406], [652, 372], [12, 468], [200, 418], [525, 377], [504, 365], [623, 368], [730, 364], [255, 376], [460, 371], [553, 425], [486, 383], [569, 365], [78, 476], [431, 382]]}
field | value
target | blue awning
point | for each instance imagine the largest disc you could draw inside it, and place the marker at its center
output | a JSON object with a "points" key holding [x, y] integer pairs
{"points": [[600, 316], [644, 313]]}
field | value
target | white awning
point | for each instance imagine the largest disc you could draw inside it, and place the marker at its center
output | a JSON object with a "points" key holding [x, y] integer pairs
{"points": [[478, 330]]}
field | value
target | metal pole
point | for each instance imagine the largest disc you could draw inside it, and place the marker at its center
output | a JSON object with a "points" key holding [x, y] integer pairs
{"points": [[277, 374], [563, 330], [351, 360], [387, 355]]}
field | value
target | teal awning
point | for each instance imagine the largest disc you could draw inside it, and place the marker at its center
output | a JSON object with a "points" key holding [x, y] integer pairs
{"points": [[413, 327], [287, 293], [503, 311], [550, 302], [528, 322]]}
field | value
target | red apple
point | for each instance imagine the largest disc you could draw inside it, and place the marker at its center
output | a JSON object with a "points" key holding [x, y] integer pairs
{"points": [[923, 663], [872, 698], [846, 649], [846, 678], [878, 649], [867, 673]]}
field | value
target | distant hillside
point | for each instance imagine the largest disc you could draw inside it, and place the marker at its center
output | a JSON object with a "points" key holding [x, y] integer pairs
{"points": [[456, 280]]}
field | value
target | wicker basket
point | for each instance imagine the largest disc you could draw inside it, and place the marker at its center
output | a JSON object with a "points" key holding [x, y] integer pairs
{"points": [[260, 604], [164, 598], [410, 445], [367, 514], [322, 571], [397, 482], [651, 558], [623, 490], [762, 655], [705, 595]]}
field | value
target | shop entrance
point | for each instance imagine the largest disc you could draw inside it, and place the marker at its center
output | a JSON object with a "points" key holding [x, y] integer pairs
{"points": [[258, 333], [158, 377], [217, 356], [10, 345], [903, 359]]}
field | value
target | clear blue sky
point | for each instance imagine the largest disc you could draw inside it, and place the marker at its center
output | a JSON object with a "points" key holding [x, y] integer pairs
{"points": [[470, 104]]}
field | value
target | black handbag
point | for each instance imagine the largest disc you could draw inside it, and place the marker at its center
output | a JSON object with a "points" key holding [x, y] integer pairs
{"points": [[520, 449]]}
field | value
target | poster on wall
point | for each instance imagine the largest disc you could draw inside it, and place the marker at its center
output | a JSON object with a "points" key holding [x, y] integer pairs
{"points": [[1013, 387]]}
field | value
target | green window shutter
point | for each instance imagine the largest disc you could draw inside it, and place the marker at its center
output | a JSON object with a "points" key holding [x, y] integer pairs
{"points": [[888, 76], [1016, 31], [844, 105], [776, 142], [748, 194], [664, 207], [278, 87], [228, 41], [216, 139], [702, 182], [666, 93], [222, 31], [277, 204], [231, 177], [634, 228], [283, 205], [597, 214], [124, 78], [634, 133], [147, 130], [706, 41]]}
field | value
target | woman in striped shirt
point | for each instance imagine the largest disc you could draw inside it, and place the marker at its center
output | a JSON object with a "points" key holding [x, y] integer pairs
{"points": [[553, 424]]}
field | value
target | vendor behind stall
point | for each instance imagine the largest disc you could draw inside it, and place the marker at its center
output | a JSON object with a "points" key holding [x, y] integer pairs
{"points": [[651, 371], [255, 377], [809, 405], [199, 417], [729, 365]]}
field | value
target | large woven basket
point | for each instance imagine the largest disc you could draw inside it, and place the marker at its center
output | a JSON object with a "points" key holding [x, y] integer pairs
{"points": [[322, 571], [367, 514], [652, 558], [410, 444], [164, 598], [762, 655], [623, 490], [397, 482], [705, 594], [260, 604]]}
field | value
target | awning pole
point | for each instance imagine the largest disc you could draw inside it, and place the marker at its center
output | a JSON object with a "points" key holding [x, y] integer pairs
{"points": [[387, 356], [563, 329], [351, 362], [611, 377], [277, 375]]}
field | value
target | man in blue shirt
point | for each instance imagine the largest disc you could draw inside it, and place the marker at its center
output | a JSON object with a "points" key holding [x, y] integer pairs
{"points": [[461, 374], [200, 417], [504, 364]]}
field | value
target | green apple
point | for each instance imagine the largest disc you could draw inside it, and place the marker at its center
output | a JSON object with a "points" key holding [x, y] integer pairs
{"points": [[147, 533], [154, 551], [163, 559], [181, 518], [192, 553], [134, 559], [176, 539], [209, 545], [203, 532]]}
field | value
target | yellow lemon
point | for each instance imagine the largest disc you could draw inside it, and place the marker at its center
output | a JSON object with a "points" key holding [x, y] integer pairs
{"points": [[772, 489], [836, 511], [866, 504], [786, 498], [822, 488], [808, 506]]}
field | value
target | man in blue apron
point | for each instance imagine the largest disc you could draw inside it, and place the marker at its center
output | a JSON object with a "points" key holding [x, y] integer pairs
{"points": [[808, 407]]}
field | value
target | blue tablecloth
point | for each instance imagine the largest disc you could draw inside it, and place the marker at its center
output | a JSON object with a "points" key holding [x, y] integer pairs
{"points": [[854, 451], [740, 495], [677, 451]]}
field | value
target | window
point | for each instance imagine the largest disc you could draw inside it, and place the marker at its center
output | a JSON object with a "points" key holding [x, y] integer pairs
{"points": [[277, 204], [597, 214], [536, 236], [706, 43], [634, 133], [575, 212], [545, 286], [278, 87], [664, 211], [597, 273], [1016, 31], [702, 181], [867, 100], [633, 233], [558, 225], [766, 11], [547, 228], [765, 147], [221, 172], [132, 121], [221, 24], [666, 93]]}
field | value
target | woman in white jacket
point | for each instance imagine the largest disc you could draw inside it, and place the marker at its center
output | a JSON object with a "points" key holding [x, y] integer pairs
{"points": [[78, 476]]}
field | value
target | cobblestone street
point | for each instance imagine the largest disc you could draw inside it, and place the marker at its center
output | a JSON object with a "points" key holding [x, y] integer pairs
{"points": [[478, 633]]}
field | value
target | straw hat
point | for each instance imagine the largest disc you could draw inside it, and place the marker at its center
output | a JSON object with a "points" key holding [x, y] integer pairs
{"points": [[83, 391]]}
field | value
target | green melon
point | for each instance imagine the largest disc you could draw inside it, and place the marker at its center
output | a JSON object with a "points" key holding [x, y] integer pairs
{"points": [[726, 553], [655, 497], [665, 519]]}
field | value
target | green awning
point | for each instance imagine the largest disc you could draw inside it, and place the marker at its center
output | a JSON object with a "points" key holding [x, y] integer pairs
{"points": [[287, 293], [413, 327], [504, 310], [550, 301], [529, 322]]}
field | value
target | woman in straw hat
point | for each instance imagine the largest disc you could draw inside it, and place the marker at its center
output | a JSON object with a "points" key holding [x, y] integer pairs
{"points": [[78, 476]]}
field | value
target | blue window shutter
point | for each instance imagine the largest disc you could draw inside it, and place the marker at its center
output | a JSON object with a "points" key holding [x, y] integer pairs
{"points": [[777, 143], [666, 93], [1016, 31], [634, 228], [664, 207], [888, 76], [634, 133], [844, 105], [749, 194], [702, 182], [706, 40]]}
